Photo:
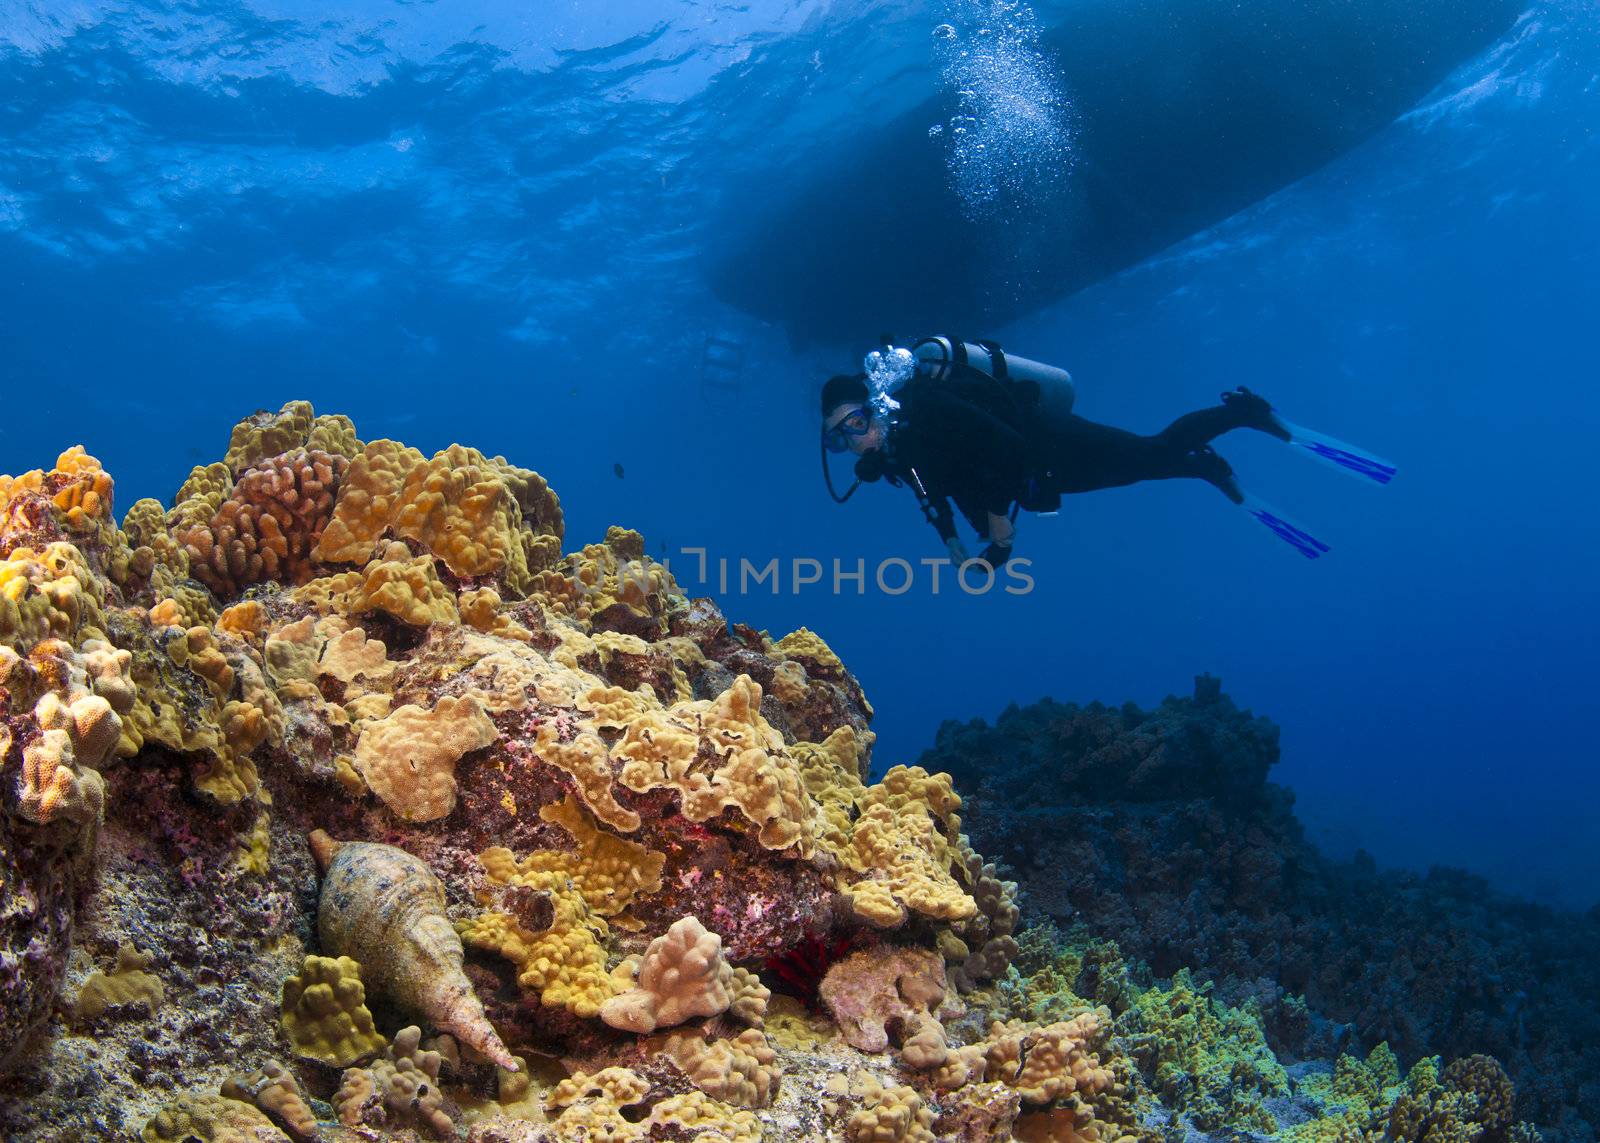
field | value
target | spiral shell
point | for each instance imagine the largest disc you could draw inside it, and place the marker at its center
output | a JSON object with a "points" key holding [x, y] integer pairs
{"points": [[385, 909]]}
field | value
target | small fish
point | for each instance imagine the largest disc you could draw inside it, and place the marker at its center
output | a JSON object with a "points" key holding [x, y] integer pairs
{"points": [[617, 468]]}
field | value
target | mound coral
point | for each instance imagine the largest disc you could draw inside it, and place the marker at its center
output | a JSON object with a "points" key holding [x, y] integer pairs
{"points": [[325, 1012], [682, 975]]}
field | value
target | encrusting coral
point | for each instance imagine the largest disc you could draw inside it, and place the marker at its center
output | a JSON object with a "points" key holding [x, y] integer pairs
{"points": [[591, 830], [127, 984]]}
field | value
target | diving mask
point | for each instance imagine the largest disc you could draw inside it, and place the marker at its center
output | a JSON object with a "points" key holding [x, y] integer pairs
{"points": [[856, 423]]}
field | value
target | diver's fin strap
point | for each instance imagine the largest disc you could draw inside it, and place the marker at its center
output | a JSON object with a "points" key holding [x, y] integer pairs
{"points": [[1347, 457], [1285, 528]]}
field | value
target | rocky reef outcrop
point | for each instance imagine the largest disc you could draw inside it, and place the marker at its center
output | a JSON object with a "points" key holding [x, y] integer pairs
{"points": [[340, 799], [1159, 831]]}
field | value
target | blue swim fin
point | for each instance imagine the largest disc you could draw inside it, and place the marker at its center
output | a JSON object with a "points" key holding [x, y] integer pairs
{"points": [[1347, 457], [1284, 528]]}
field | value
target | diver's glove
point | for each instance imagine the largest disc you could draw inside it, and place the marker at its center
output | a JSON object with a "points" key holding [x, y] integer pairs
{"points": [[996, 555], [958, 553]]}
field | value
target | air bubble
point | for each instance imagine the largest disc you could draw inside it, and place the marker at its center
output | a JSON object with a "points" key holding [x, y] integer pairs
{"points": [[1009, 140]]}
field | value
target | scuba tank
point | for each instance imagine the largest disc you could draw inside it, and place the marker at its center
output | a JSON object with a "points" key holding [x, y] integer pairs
{"points": [[1050, 387]]}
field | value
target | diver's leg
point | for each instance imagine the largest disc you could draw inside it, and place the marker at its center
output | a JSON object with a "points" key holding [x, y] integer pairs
{"points": [[1086, 456], [1240, 409]]}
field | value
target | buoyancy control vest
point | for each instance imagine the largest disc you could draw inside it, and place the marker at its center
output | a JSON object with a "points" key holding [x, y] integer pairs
{"points": [[1027, 394], [1021, 391]]}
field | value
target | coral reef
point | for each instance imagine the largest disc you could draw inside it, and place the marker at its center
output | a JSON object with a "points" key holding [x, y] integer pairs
{"points": [[399, 823], [1159, 831]]}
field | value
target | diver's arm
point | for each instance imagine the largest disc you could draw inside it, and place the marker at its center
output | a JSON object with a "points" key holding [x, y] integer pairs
{"points": [[1001, 534], [936, 510], [944, 522]]}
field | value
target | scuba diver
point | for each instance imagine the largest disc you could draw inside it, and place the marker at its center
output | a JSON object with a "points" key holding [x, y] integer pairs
{"points": [[995, 433]]}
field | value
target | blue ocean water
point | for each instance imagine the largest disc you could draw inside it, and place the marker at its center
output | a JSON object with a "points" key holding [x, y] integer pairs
{"points": [[487, 223]]}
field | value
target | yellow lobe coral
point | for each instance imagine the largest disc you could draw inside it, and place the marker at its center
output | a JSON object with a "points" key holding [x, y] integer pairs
{"points": [[720, 753], [247, 620], [482, 609], [1057, 1060], [404, 586], [479, 516], [807, 648], [351, 655], [592, 1106], [386, 909], [696, 1116], [610, 871], [750, 998], [613, 708], [127, 984], [565, 963], [612, 584], [888, 1114], [324, 1012], [587, 760], [200, 495], [1047, 1065], [79, 730], [334, 433], [291, 654], [460, 506], [905, 843], [368, 499], [409, 759], [682, 975], [77, 489], [49, 594]]}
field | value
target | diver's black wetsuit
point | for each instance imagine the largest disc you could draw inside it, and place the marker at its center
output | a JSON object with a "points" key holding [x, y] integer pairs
{"points": [[961, 439]]}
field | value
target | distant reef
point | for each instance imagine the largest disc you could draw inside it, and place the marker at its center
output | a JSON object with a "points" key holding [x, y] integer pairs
{"points": [[1159, 831], [341, 800]]}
